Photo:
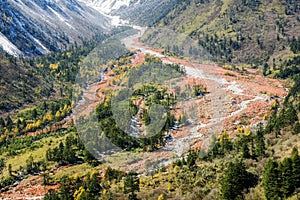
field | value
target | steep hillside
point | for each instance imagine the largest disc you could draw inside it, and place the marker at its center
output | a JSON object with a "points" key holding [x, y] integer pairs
{"points": [[247, 32], [146, 12], [39, 27], [20, 84], [138, 12], [8, 47], [31, 80]]}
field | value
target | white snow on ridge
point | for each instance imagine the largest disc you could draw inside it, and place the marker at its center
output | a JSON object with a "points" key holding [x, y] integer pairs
{"points": [[9, 47], [106, 6], [45, 50], [116, 21]]}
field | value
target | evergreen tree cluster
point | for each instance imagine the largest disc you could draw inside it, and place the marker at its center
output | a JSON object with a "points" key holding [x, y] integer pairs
{"points": [[131, 184], [282, 179], [126, 141], [92, 185], [65, 154], [295, 45], [286, 116], [88, 188], [235, 180], [221, 47]]}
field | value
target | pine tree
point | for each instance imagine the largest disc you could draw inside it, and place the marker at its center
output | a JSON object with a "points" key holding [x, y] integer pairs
{"points": [[235, 180], [90, 159], [2, 164], [260, 142], [265, 68], [44, 106], [296, 168], [9, 123], [69, 156], [19, 123], [131, 185], [191, 159], [245, 151], [48, 155], [34, 114], [30, 165], [286, 177], [93, 183], [296, 128], [291, 116], [270, 180], [9, 168], [45, 179], [61, 148], [65, 188], [2, 122]]}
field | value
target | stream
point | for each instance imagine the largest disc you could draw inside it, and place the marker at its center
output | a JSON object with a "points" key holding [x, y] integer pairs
{"points": [[218, 87]]}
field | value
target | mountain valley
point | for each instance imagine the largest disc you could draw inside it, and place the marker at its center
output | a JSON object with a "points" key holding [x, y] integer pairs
{"points": [[148, 99]]}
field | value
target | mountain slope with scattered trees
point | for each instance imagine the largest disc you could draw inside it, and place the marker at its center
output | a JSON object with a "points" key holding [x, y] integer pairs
{"points": [[40, 27], [256, 33]]}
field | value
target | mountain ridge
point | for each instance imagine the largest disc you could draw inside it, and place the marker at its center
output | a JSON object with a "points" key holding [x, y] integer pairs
{"points": [[39, 27]]}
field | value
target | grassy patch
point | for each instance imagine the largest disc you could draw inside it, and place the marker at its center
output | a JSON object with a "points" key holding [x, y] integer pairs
{"points": [[38, 154]]}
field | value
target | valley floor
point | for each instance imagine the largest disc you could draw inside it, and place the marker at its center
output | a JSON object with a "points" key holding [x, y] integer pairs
{"points": [[234, 101]]}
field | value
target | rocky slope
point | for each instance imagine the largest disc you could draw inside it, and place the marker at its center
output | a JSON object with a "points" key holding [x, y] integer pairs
{"points": [[39, 27]]}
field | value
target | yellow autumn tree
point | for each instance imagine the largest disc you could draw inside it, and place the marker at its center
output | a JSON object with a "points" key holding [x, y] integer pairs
{"points": [[38, 123], [29, 127], [224, 137], [240, 130], [161, 197], [54, 66], [170, 187], [247, 130], [57, 115], [15, 130], [6, 132], [48, 117], [81, 194]]}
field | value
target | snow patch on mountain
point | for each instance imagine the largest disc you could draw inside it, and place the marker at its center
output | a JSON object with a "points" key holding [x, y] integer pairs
{"points": [[45, 50], [9, 47], [106, 6], [37, 27]]}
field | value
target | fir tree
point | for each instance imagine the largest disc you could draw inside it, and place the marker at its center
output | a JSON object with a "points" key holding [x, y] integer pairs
{"points": [[131, 185], [9, 123], [2, 164], [235, 180], [270, 180], [286, 176], [260, 143], [296, 168], [245, 151]]}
